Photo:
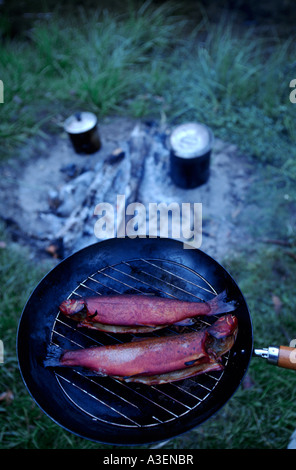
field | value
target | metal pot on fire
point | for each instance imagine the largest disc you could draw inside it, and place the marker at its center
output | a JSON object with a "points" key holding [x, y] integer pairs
{"points": [[190, 151], [82, 128]]}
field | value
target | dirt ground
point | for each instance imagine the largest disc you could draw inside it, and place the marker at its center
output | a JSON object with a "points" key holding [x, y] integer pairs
{"points": [[47, 168]]}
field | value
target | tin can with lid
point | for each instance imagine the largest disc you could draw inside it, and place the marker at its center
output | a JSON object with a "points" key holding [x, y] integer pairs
{"points": [[190, 151], [83, 132]]}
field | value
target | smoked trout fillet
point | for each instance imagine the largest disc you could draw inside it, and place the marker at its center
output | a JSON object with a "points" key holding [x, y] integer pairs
{"points": [[140, 313], [155, 360]]}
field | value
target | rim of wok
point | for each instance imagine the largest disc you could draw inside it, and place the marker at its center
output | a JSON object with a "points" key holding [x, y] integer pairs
{"points": [[40, 311]]}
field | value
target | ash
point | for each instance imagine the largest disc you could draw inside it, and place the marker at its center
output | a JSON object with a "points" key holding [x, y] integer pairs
{"points": [[48, 194]]}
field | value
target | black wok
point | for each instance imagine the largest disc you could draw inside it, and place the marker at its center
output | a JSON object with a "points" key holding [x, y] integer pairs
{"points": [[103, 409]]}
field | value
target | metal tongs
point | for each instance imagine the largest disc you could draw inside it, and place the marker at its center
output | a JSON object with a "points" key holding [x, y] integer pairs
{"points": [[282, 356]]}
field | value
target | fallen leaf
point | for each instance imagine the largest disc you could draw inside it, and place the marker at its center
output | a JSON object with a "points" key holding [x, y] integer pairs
{"points": [[7, 396], [247, 382], [56, 248], [277, 304]]}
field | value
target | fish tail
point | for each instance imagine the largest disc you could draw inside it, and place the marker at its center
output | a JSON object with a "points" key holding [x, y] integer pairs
{"points": [[53, 356], [53, 359], [220, 304]]}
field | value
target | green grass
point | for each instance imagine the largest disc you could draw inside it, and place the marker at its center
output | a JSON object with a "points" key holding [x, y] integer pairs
{"points": [[261, 416], [151, 61], [93, 60], [23, 424], [158, 62]]}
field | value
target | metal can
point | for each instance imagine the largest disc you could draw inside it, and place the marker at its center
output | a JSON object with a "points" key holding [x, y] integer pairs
{"points": [[83, 132], [190, 151]]}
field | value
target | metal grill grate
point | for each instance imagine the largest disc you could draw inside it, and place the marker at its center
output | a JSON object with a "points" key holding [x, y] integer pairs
{"points": [[130, 404]]}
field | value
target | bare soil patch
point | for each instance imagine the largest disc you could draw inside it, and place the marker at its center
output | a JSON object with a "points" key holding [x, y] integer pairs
{"points": [[49, 192]]}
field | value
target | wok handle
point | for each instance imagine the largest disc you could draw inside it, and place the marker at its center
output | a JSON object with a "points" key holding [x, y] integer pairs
{"points": [[282, 356], [287, 357]]}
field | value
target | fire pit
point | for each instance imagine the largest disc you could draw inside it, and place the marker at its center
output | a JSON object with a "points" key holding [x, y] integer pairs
{"points": [[49, 200]]}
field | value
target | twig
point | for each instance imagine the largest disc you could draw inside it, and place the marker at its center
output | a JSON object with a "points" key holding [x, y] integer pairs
{"points": [[291, 254], [277, 242]]}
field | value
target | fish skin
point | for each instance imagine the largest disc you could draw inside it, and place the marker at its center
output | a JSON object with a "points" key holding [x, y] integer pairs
{"points": [[223, 327], [187, 373], [71, 307], [136, 311], [149, 356], [163, 359], [118, 328]]}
